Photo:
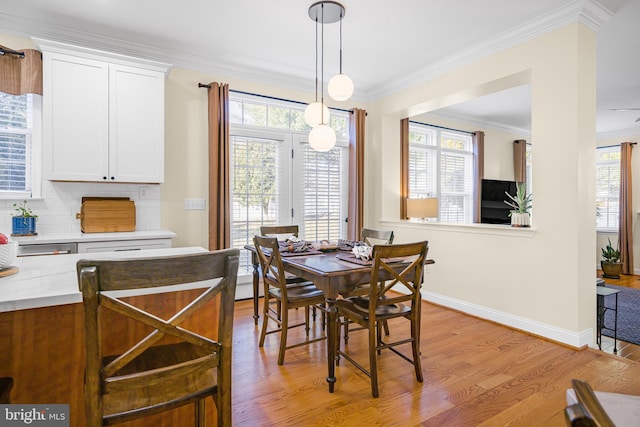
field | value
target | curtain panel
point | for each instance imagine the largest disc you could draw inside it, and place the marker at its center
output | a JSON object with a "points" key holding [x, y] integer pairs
{"points": [[356, 173], [21, 75], [478, 173], [219, 147], [625, 229], [404, 167]]}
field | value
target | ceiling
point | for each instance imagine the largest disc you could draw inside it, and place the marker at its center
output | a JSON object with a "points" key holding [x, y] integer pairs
{"points": [[387, 46]]}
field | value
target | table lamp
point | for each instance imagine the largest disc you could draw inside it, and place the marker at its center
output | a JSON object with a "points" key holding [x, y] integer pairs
{"points": [[422, 208]]}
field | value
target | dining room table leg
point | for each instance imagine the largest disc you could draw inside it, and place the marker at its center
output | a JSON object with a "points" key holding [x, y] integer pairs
{"points": [[256, 282], [331, 342]]}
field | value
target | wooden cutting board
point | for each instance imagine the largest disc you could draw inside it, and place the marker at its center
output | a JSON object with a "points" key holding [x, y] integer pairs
{"points": [[106, 215]]}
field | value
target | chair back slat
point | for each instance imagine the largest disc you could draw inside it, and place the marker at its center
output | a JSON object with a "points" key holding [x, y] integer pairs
{"points": [[373, 237], [125, 274], [279, 230]]}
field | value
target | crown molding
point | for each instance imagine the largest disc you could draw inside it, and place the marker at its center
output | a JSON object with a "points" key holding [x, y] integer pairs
{"points": [[483, 124], [588, 12]]}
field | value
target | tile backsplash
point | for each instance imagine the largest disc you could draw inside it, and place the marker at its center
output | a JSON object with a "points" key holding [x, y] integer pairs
{"points": [[61, 201]]}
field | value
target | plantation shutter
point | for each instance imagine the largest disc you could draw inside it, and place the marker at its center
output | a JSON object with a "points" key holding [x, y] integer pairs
{"points": [[15, 144], [325, 193], [258, 171]]}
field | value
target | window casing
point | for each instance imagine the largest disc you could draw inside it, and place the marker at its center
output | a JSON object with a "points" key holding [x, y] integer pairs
{"points": [[608, 188], [276, 178], [441, 165], [20, 142]]}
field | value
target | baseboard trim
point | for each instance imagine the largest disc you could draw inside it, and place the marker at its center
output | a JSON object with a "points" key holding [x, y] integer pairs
{"points": [[553, 333]]}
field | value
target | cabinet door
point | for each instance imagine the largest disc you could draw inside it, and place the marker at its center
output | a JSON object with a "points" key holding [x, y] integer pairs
{"points": [[75, 118], [136, 128]]}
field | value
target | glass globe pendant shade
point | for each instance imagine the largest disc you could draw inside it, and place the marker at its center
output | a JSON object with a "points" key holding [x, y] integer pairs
{"points": [[340, 87], [322, 138], [315, 112]]}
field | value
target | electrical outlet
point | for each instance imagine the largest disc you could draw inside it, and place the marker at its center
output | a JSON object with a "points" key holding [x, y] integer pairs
{"points": [[194, 204], [144, 192]]}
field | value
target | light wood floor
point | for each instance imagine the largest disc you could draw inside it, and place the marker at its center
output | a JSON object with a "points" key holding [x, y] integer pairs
{"points": [[476, 373], [625, 349]]}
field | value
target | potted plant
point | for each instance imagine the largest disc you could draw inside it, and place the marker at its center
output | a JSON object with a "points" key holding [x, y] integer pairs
{"points": [[610, 264], [521, 205], [24, 222]]}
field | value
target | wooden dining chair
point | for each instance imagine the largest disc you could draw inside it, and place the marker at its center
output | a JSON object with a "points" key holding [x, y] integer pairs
{"points": [[171, 366], [283, 296], [280, 231], [588, 412], [371, 237], [384, 304], [6, 384]]}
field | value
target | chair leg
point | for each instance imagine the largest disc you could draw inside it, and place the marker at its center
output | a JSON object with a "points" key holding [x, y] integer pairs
{"points": [[379, 334], [284, 328], [337, 340], [415, 346], [199, 410], [373, 366], [307, 328], [386, 327], [265, 319], [346, 330]]}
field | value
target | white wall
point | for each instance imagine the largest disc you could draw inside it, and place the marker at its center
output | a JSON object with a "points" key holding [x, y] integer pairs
{"points": [[540, 281]]}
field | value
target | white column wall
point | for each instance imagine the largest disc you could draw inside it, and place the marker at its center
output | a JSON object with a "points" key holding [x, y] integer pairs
{"points": [[540, 281]]}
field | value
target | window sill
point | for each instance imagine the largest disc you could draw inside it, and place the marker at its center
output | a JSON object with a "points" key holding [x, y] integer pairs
{"points": [[488, 229]]}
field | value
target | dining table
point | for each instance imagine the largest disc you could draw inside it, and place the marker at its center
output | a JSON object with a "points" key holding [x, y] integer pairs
{"points": [[333, 272]]}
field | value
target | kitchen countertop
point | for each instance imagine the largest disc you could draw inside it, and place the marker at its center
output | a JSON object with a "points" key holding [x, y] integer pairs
{"points": [[92, 237], [49, 280]]}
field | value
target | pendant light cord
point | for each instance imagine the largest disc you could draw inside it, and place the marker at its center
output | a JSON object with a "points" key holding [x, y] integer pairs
{"points": [[316, 58], [322, 69], [341, 42]]}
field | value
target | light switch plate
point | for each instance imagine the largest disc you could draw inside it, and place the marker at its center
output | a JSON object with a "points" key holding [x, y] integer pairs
{"points": [[194, 204]]}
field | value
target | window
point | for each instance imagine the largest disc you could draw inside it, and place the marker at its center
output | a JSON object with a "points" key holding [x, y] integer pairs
{"points": [[608, 187], [19, 145], [276, 178], [441, 165]]}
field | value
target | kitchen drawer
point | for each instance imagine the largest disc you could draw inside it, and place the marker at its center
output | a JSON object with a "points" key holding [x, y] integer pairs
{"points": [[123, 245], [47, 249]]}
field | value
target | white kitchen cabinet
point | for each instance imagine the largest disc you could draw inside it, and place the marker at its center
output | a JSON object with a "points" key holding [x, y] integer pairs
{"points": [[103, 116], [123, 245]]}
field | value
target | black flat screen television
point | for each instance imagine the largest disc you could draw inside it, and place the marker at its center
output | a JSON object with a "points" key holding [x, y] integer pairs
{"points": [[493, 209]]}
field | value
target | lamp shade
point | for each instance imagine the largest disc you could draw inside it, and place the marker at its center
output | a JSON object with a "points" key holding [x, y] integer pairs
{"points": [[422, 208], [340, 87], [315, 113], [322, 138]]}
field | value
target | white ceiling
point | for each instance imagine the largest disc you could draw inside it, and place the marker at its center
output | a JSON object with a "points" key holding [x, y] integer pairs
{"points": [[388, 45]]}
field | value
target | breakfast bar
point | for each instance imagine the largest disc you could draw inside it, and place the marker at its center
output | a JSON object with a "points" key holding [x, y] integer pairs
{"points": [[42, 334]]}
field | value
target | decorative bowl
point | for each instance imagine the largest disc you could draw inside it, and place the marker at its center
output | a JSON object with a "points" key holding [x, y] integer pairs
{"points": [[8, 253]]}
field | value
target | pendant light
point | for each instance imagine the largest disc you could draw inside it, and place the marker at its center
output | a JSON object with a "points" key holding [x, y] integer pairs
{"points": [[322, 138], [340, 86]]}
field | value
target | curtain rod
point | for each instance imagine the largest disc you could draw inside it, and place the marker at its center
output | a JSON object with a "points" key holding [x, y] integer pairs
{"points": [[201, 85], [4, 50], [616, 145], [441, 127]]}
